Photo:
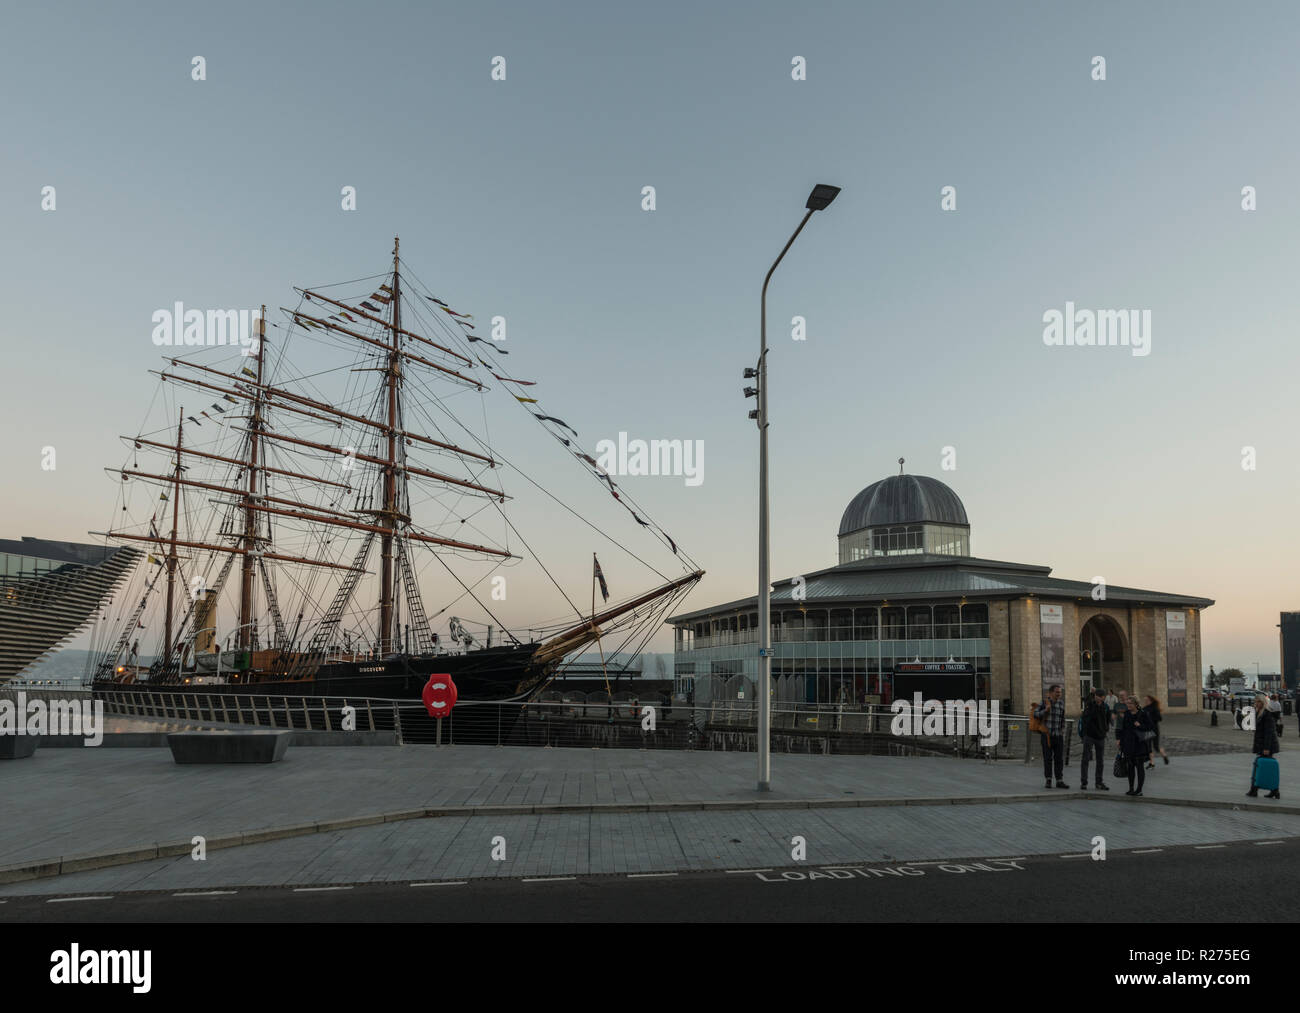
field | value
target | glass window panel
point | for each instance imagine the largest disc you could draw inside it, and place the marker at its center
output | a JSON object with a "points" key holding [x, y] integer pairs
{"points": [[975, 621]]}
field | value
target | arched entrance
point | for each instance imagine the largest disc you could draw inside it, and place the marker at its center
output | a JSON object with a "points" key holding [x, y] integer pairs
{"points": [[1101, 657]]}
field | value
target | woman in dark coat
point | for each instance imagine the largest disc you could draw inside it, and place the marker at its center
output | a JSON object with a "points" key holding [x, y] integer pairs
{"points": [[1265, 743], [1133, 745], [1152, 711]]}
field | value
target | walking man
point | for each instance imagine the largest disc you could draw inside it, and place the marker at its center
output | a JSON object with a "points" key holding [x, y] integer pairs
{"points": [[1096, 723], [1052, 713]]}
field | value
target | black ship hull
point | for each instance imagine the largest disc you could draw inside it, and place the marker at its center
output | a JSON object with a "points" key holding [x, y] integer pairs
{"points": [[489, 674], [494, 673]]}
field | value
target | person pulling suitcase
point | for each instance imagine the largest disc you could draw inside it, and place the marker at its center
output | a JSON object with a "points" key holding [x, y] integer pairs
{"points": [[1265, 773]]}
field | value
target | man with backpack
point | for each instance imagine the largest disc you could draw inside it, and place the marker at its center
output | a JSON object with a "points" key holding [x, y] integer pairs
{"points": [[1094, 723], [1050, 715]]}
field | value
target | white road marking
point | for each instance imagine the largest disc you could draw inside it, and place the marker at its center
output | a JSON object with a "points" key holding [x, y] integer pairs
{"points": [[1148, 851], [743, 872], [69, 900], [318, 889], [1086, 854], [206, 893], [548, 879], [445, 882], [1262, 843], [649, 875], [1205, 847]]}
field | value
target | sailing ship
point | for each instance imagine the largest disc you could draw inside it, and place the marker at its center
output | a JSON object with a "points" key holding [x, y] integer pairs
{"points": [[335, 468]]}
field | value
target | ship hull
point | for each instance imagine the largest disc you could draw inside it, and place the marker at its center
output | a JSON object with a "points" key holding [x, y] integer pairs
{"points": [[490, 674]]}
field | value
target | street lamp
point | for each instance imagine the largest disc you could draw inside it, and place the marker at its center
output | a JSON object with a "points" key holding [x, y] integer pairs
{"points": [[818, 200]]}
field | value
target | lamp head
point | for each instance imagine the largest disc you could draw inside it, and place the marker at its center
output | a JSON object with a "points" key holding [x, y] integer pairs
{"points": [[821, 197]]}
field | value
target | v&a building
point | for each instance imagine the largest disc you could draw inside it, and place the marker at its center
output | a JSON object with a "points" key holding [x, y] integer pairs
{"points": [[907, 588]]}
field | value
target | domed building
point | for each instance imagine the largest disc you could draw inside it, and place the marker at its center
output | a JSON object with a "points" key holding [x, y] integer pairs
{"points": [[904, 514], [907, 589]]}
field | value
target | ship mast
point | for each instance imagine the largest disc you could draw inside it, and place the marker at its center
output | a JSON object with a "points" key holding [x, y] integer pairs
{"points": [[246, 629], [390, 524], [386, 611], [171, 555]]}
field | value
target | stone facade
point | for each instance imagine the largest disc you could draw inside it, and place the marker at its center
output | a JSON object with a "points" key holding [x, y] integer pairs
{"points": [[1138, 632]]}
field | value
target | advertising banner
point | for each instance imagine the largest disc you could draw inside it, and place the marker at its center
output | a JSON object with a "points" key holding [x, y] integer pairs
{"points": [[1051, 636], [1176, 657]]}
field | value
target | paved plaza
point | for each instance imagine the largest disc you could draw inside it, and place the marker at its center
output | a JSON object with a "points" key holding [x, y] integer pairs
{"points": [[357, 814]]}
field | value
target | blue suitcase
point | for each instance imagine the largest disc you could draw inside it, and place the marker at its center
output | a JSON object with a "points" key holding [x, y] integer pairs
{"points": [[1266, 773]]}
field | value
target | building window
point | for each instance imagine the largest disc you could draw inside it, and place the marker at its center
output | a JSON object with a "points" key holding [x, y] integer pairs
{"points": [[947, 622], [898, 540], [975, 622]]}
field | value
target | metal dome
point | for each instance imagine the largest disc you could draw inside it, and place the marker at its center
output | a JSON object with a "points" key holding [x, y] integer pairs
{"points": [[903, 499]]}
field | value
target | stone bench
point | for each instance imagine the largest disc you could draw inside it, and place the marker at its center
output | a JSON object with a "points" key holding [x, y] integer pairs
{"points": [[229, 746], [18, 747]]}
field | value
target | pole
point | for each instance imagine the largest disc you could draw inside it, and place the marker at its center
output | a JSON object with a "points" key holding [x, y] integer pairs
{"points": [[764, 578], [601, 647], [387, 627], [171, 556], [250, 516]]}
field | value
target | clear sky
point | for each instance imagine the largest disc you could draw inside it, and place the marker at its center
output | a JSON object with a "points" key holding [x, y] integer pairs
{"points": [[523, 198]]}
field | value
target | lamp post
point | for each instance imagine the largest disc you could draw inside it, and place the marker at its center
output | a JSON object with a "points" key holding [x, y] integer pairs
{"points": [[818, 200]]}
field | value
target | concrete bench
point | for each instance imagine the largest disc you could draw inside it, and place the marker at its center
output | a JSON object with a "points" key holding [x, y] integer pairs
{"points": [[18, 747], [229, 746]]}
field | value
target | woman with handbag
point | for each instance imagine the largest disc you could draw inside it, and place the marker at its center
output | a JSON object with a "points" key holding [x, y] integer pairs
{"points": [[1134, 745], [1154, 717]]}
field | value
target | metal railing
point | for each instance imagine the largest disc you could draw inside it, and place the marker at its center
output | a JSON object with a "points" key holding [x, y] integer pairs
{"points": [[575, 719], [306, 713]]}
